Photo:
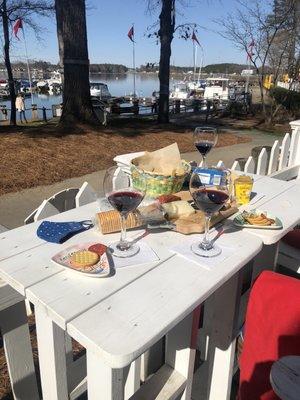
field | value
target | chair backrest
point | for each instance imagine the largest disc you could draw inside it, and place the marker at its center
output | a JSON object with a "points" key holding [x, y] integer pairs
{"points": [[30, 218], [3, 229], [85, 195], [64, 200], [45, 210]]}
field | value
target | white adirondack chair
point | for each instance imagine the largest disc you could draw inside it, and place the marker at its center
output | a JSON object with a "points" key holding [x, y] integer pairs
{"points": [[86, 194], [63, 201], [16, 340]]}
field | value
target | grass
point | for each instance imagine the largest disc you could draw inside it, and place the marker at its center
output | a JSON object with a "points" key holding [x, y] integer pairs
{"points": [[40, 154]]}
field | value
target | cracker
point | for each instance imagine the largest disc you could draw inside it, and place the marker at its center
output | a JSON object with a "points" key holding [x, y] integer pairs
{"points": [[84, 258]]}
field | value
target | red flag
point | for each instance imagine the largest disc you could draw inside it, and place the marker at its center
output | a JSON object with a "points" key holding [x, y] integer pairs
{"points": [[18, 25], [194, 38], [130, 34]]}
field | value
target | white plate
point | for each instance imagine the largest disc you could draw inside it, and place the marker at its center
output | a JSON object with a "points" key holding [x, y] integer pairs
{"points": [[99, 270], [239, 221]]}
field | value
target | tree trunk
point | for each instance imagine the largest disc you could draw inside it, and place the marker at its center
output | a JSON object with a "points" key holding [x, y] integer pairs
{"points": [[72, 42], [11, 83], [166, 31], [262, 95]]}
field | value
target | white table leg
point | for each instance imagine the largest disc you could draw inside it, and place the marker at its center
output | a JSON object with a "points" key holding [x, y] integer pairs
{"points": [[180, 349], [133, 379], [213, 379], [104, 382], [52, 357], [152, 360], [18, 352]]}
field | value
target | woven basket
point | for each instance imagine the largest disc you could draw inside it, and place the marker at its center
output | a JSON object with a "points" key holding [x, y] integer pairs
{"points": [[157, 184]]}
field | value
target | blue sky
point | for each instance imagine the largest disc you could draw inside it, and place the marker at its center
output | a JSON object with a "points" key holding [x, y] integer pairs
{"points": [[108, 22]]}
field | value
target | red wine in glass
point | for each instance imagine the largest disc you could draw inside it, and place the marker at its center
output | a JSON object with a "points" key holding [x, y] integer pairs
{"points": [[209, 197], [125, 201], [210, 201], [124, 198], [205, 138], [204, 147]]}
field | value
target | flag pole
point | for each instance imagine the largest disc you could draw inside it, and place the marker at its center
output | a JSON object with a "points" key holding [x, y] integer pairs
{"points": [[28, 68], [133, 62], [194, 57]]}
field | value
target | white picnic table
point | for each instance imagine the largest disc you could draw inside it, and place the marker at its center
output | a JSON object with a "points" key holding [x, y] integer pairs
{"points": [[118, 318]]}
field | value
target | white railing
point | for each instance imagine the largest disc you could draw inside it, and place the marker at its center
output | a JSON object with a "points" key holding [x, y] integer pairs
{"points": [[282, 163], [284, 160]]}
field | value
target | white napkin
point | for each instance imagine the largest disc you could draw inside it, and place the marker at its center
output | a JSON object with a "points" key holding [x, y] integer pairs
{"points": [[145, 255], [184, 249]]}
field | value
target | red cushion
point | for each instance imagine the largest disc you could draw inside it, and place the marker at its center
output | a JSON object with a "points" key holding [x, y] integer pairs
{"points": [[293, 238], [272, 330]]}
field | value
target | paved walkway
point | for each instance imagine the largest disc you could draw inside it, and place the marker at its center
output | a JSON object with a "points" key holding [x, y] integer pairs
{"points": [[14, 207]]}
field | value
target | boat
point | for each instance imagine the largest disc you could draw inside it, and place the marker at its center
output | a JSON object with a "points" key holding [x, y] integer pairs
{"points": [[216, 88], [180, 91], [100, 90], [3, 84], [43, 85]]}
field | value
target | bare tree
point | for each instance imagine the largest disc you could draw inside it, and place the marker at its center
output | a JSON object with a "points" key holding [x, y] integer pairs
{"points": [[73, 51], [10, 11], [260, 24], [165, 35]]}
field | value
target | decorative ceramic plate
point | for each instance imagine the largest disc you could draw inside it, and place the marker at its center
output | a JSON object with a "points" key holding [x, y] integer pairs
{"points": [[240, 220], [99, 270]]}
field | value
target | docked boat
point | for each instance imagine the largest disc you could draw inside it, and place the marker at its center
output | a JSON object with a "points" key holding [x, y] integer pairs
{"points": [[100, 90], [42, 85], [3, 84], [180, 91], [216, 88]]}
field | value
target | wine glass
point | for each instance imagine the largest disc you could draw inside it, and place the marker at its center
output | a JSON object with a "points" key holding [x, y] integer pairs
{"points": [[124, 198], [210, 192], [205, 138]]}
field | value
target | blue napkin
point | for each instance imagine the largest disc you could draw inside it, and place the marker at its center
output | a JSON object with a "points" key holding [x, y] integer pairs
{"points": [[59, 232]]}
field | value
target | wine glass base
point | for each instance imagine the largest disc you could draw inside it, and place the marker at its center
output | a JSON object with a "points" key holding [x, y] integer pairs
{"points": [[213, 252], [117, 252]]}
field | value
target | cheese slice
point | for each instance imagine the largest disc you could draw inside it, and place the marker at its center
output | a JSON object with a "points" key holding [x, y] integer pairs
{"points": [[177, 209]]}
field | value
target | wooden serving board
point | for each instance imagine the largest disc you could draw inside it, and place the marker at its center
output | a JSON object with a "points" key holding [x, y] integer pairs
{"points": [[196, 223]]}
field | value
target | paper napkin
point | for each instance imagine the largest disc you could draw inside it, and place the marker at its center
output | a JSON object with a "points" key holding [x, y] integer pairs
{"points": [[145, 255], [184, 249]]}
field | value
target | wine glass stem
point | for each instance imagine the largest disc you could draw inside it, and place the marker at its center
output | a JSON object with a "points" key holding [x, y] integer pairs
{"points": [[204, 162], [123, 244], [206, 244]]}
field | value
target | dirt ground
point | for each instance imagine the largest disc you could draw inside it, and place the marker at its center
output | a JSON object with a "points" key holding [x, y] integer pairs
{"points": [[40, 154]]}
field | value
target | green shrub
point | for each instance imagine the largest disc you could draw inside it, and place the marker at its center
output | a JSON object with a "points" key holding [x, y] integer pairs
{"points": [[287, 98]]}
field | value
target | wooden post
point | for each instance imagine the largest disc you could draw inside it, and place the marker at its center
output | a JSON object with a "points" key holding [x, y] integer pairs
{"points": [[196, 105], [34, 112], [44, 114], [294, 158], [135, 107]]}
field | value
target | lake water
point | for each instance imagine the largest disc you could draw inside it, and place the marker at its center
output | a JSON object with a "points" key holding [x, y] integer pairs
{"points": [[119, 85]]}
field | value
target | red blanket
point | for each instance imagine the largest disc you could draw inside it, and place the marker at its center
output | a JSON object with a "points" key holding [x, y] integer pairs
{"points": [[272, 330]]}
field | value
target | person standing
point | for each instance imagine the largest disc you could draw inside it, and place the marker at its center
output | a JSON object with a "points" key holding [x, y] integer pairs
{"points": [[20, 106]]}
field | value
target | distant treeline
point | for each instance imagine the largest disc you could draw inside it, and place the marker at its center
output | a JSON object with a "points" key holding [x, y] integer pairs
{"points": [[47, 66], [41, 65], [108, 69], [223, 68]]}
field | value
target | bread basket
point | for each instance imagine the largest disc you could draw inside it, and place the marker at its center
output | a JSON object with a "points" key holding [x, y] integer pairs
{"points": [[157, 184]]}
